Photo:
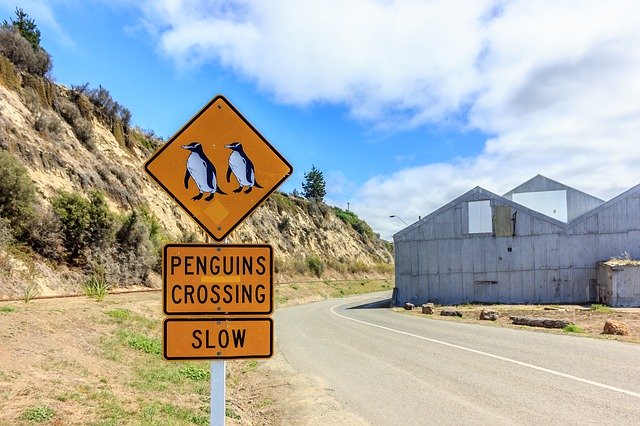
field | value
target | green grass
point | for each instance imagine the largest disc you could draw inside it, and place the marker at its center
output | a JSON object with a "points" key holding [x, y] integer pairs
{"points": [[572, 328], [38, 414], [7, 309], [140, 342], [119, 314], [231, 414], [601, 308], [194, 373], [157, 413]]}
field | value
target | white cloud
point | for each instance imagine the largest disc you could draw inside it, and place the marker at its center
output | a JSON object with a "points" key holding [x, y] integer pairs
{"points": [[556, 82]]}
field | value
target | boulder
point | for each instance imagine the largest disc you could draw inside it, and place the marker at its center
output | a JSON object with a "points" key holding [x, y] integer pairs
{"points": [[427, 308], [409, 306], [450, 313], [488, 315], [616, 327], [540, 322]]}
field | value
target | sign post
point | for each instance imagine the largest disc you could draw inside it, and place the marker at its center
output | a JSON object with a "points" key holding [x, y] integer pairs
{"points": [[218, 299]]}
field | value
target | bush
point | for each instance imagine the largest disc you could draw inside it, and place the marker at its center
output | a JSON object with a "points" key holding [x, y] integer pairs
{"points": [[316, 265], [17, 193], [135, 252], [82, 128], [47, 123], [45, 235], [20, 52], [356, 223], [87, 225]]}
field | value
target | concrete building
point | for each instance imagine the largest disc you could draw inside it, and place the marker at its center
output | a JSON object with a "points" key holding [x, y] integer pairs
{"points": [[539, 243]]}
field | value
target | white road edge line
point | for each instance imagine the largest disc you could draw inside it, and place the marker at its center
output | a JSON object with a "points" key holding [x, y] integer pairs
{"points": [[475, 351]]}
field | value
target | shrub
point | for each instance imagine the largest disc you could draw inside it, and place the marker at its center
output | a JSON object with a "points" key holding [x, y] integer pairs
{"points": [[84, 132], [356, 223], [45, 235], [47, 123], [18, 50], [315, 265], [135, 252], [284, 224], [6, 236], [87, 225], [17, 193]]}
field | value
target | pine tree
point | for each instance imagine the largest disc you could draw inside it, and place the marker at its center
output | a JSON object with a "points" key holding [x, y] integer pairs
{"points": [[314, 186], [26, 26]]}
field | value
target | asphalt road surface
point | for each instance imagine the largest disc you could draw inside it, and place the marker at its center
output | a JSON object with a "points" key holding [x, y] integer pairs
{"points": [[390, 368]]}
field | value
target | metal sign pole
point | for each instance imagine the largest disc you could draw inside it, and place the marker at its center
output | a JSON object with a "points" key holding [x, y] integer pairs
{"points": [[218, 386]]}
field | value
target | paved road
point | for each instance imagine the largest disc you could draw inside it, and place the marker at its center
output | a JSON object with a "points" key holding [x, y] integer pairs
{"points": [[391, 368]]}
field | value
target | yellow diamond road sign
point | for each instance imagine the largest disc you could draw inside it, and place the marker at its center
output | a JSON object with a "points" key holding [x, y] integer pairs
{"points": [[218, 168]]}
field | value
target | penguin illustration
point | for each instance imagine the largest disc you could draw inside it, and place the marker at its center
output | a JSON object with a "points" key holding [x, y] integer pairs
{"points": [[242, 168], [202, 171]]}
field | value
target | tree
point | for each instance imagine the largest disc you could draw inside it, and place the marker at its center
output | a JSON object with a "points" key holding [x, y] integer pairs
{"points": [[314, 186], [26, 26]]}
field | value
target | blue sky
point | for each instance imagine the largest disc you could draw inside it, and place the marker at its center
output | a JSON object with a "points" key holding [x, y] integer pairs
{"points": [[404, 105]]}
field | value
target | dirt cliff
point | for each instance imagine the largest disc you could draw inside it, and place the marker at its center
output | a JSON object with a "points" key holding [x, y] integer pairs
{"points": [[67, 142]]}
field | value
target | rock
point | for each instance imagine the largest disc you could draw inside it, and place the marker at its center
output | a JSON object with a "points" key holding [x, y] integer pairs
{"points": [[409, 306], [540, 322], [616, 327], [427, 308], [450, 313], [488, 315]]}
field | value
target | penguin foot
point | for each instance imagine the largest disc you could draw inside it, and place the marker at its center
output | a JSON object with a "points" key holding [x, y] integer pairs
{"points": [[210, 196], [248, 190], [197, 197], [238, 190]]}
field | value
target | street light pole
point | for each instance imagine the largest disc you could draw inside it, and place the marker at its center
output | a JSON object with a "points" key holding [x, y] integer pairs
{"points": [[398, 217]]}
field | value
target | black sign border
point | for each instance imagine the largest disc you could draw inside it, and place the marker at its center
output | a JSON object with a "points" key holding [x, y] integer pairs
{"points": [[164, 339], [215, 246]]}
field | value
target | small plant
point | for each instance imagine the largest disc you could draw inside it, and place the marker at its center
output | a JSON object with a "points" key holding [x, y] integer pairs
{"points": [[231, 414], [7, 308], [596, 307], [119, 314], [30, 292], [141, 342], [193, 373], [315, 265], [572, 328], [96, 286], [38, 414]]}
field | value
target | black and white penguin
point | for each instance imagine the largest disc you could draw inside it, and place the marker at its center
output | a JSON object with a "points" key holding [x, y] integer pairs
{"points": [[242, 168], [202, 171]]}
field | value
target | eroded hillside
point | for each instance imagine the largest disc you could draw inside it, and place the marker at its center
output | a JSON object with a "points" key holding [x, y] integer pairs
{"points": [[69, 143]]}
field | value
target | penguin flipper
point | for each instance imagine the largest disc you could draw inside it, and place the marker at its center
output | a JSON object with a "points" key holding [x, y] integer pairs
{"points": [[229, 174], [211, 174], [248, 166], [187, 175]]}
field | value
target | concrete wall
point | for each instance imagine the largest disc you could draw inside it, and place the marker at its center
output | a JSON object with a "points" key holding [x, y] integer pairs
{"points": [[619, 285], [547, 261]]}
